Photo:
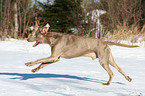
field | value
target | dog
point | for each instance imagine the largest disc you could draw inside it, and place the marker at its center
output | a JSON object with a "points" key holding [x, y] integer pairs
{"points": [[70, 46]]}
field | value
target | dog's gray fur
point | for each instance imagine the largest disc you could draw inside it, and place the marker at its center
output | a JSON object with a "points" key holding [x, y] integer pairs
{"points": [[70, 46]]}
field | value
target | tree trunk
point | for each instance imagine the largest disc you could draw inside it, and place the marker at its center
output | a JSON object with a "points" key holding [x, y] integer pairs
{"points": [[16, 21], [20, 18], [1, 21]]}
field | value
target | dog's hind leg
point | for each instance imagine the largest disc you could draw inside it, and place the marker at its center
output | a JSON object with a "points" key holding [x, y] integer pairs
{"points": [[107, 68], [105, 64], [103, 56], [112, 63]]}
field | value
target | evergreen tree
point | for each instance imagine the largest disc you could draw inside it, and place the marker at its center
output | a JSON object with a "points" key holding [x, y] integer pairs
{"points": [[62, 15]]}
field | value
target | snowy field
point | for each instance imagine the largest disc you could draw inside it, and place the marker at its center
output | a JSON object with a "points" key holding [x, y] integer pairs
{"points": [[69, 77]]}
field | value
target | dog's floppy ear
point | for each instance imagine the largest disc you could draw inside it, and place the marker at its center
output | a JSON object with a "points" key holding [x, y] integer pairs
{"points": [[45, 29]]}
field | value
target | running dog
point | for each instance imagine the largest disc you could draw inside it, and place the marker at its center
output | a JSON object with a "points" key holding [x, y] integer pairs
{"points": [[70, 46]]}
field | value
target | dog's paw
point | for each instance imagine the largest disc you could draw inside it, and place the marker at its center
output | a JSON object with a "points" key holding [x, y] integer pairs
{"points": [[128, 78], [35, 70], [106, 84], [29, 64]]}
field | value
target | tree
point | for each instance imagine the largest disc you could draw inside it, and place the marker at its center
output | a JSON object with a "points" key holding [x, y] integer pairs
{"points": [[16, 21], [122, 13], [91, 23], [1, 19], [62, 15], [16, 16]]}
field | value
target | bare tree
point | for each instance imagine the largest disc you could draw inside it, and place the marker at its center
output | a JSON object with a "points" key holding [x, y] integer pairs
{"points": [[15, 17], [1, 20], [16, 21], [127, 13], [91, 21]]}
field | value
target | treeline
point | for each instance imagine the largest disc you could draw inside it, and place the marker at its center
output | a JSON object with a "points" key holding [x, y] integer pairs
{"points": [[15, 17], [82, 17], [129, 13]]}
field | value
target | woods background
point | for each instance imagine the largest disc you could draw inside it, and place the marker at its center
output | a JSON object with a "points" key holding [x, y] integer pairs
{"points": [[104, 18]]}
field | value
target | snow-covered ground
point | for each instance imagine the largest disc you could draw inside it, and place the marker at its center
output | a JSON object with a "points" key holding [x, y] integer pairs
{"points": [[69, 77]]}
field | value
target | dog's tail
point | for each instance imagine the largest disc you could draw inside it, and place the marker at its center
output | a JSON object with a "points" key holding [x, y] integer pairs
{"points": [[122, 45]]}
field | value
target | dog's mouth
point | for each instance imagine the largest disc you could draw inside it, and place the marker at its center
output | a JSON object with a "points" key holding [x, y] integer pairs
{"points": [[38, 42]]}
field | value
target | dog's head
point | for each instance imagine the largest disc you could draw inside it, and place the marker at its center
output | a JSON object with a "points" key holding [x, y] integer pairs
{"points": [[41, 35], [38, 35]]}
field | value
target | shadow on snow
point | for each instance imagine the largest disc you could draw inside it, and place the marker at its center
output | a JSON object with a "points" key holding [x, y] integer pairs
{"points": [[24, 76]]}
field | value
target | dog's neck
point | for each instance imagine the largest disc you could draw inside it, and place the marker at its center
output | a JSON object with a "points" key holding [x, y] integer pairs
{"points": [[52, 38]]}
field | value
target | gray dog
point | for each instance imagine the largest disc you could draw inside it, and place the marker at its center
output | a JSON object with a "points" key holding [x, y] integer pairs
{"points": [[70, 46]]}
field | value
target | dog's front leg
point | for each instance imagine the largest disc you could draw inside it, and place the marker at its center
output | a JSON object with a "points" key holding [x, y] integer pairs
{"points": [[41, 66], [44, 60]]}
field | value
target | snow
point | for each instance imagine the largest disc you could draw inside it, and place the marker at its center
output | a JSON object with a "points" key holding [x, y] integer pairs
{"points": [[80, 76]]}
